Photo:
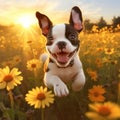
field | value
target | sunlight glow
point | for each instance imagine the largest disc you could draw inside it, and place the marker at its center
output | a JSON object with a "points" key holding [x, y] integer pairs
{"points": [[26, 20]]}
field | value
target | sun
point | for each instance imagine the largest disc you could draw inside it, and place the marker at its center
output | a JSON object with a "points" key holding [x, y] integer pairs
{"points": [[26, 20]]}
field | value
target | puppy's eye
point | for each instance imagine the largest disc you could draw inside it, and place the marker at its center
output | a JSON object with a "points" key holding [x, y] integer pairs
{"points": [[72, 37], [49, 40]]}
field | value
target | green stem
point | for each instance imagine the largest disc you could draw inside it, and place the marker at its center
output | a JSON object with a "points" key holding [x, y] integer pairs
{"points": [[42, 114], [32, 51], [11, 98], [35, 73], [12, 103], [119, 92]]}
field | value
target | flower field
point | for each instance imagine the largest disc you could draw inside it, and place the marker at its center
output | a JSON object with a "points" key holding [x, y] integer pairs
{"points": [[23, 96]]}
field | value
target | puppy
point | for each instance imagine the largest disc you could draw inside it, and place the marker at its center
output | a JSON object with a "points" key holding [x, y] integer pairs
{"points": [[63, 63]]}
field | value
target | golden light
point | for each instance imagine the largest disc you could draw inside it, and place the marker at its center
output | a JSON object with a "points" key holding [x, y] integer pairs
{"points": [[26, 20]]}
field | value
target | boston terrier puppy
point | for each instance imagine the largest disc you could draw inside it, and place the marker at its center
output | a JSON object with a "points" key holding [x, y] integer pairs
{"points": [[62, 63]]}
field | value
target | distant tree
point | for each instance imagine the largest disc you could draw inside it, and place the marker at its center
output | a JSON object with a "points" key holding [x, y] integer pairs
{"points": [[88, 25], [102, 23], [115, 21]]}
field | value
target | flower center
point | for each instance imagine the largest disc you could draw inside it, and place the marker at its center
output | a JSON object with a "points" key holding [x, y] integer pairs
{"points": [[8, 78], [104, 111], [33, 65], [109, 50], [17, 59], [41, 96], [96, 94]]}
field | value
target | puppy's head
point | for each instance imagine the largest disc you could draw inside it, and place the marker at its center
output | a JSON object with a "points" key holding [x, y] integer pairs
{"points": [[62, 39]]}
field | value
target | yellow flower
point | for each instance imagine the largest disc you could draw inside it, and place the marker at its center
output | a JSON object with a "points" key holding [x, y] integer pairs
{"points": [[33, 64], [39, 97], [104, 111], [92, 74], [109, 51], [8, 63], [95, 28], [17, 59], [100, 49], [96, 94], [9, 79], [98, 62]]}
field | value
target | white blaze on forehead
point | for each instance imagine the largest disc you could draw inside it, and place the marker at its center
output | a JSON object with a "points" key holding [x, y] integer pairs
{"points": [[58, 30]]}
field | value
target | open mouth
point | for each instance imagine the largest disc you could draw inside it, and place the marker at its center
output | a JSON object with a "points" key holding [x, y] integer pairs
{"points": [[63, 57]]}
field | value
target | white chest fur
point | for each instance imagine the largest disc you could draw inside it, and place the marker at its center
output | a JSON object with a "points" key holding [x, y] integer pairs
{"points": [[68, 73]]}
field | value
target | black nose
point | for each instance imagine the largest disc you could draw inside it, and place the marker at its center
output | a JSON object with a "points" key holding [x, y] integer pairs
{"points": [[61, 45]]}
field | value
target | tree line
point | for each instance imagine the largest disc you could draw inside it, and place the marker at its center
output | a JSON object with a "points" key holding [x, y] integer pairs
{"points": [[88, 25]]}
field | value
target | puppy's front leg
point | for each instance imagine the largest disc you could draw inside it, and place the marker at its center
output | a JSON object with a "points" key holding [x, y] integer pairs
{"points": [[60, 89], [79, 81]]}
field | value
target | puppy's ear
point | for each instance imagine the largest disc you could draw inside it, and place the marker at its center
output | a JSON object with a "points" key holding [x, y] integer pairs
{"points": [[44, 23], [76, 18]]}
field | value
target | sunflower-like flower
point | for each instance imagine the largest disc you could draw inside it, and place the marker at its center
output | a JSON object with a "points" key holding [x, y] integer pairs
{"points": [[109, 51], [39, 97], [95, 28], [93, 74], [10, 78], [33, 64], [9, 63], [104, 111], [98, 62], [16, 59], [96, 94]]}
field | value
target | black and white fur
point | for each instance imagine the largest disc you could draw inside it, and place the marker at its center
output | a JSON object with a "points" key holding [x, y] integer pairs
{"points": [[63, 63]]}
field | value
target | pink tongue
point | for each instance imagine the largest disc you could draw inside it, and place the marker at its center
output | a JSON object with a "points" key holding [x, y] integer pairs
{"points": [[63, 58]]}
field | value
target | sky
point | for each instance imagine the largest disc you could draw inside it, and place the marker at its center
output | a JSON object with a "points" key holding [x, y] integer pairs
{"points": [[58, 10]]}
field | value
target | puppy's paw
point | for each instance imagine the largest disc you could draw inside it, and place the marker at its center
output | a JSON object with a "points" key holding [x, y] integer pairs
{"points": [[61, 90], [44, 57]]}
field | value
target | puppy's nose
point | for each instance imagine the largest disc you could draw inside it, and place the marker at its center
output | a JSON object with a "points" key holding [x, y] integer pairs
{"points": [[61, 45]]}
